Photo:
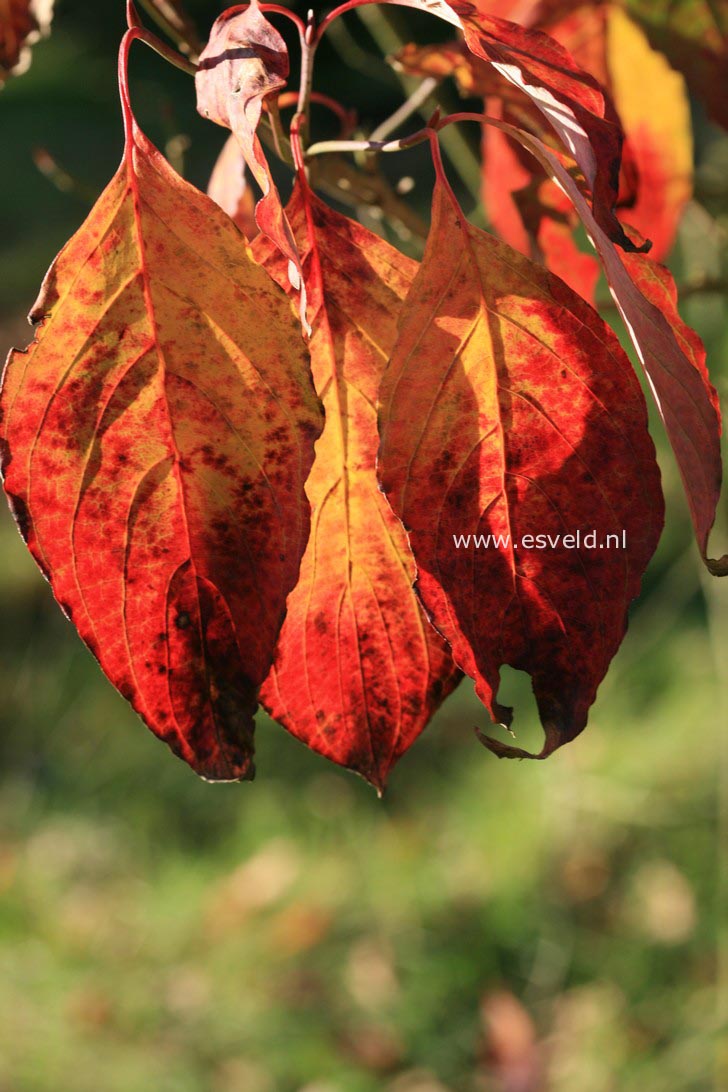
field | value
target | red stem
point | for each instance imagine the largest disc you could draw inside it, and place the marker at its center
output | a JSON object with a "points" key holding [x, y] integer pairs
{"points": [[276, 9], [290, 98], [296, 147], [440, 166]]}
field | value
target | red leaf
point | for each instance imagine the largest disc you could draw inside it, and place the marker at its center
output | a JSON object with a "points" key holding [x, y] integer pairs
{"points": [[509, 408], [570, 99], [157, 436], [652, 104], [530, 213], [653, 108], [671, 354], [244, 63], [359, 670]]}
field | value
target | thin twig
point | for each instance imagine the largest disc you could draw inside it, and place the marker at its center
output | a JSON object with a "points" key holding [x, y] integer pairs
{"points": [[324, 147], [384, 27], [347, 183], [416, 100]]}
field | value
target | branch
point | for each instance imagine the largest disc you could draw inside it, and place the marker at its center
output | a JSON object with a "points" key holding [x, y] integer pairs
{"points": [[353, 187], [308, 52], [384, 29], [324, 147]]}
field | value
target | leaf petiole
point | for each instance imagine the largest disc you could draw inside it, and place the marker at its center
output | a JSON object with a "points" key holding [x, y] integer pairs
{"points": [[323, 147], [170, 55], [138, 32]]}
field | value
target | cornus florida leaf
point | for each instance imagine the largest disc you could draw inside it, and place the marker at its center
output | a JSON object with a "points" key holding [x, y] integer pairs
{"points": [[22, 22], [359, 670], [244, 63], [671, 354], [570, 99], [157, 436], [652, 104], [509, 408]]}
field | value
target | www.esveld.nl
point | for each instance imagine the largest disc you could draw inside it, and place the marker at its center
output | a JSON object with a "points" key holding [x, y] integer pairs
{"points": [[587, 540]]}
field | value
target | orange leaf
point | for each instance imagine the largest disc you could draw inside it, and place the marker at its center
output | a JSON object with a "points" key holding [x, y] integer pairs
{"points": [[157, 437], [510, 409], [22, 22], [244, 63], [570, 99], [652, 105], [359, 670]]}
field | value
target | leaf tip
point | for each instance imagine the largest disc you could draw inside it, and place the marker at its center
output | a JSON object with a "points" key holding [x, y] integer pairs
{"points": [[717, 566], [555, 737]]}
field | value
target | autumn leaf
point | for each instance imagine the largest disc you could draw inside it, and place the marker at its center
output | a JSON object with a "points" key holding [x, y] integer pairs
{"points": [[570, 99], [22, 22], [244, 63], [509, 409], [359, 670], [652, 105], [693, 35], [156, 440], [228, 187], [671, 354]]}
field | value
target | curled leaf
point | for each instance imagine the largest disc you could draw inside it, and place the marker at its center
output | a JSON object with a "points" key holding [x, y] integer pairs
{"points": [[156, 440], [569, 98], [651, 101], [244, 63]]}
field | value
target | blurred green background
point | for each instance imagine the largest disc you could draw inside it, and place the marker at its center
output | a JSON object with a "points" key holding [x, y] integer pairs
{"points": [[487, 925]]}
